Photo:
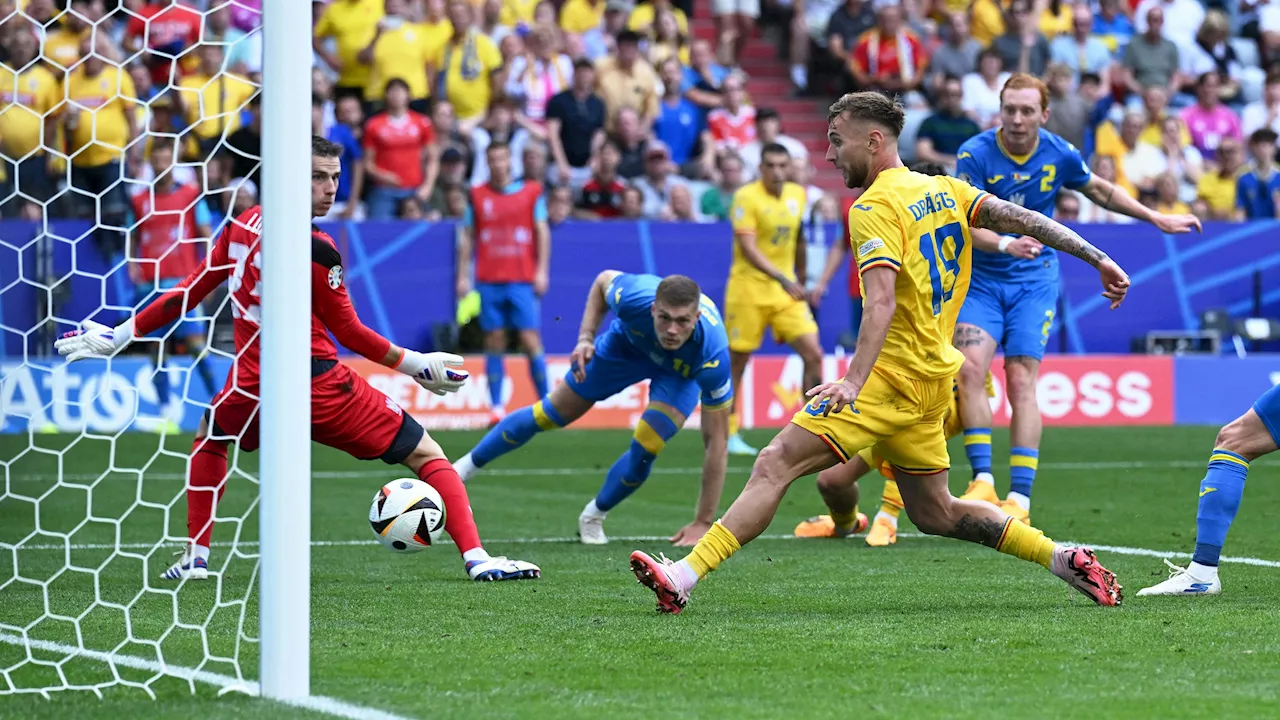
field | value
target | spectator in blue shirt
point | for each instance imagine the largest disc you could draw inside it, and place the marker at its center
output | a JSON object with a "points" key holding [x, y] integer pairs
{"points": [[942, 133], [1258, 190], [346, 132], [681, 125], [1113, 27]]}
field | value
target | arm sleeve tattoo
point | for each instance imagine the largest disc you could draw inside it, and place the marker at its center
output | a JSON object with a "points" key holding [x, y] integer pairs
{"points": [[1005, 217]]}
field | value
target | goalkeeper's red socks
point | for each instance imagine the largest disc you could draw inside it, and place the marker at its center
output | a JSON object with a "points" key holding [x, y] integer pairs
{"points": [[439, 474], [206, 482]]}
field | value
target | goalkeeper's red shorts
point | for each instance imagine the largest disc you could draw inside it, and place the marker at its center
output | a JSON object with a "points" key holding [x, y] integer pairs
{"points": [[347, 413]]}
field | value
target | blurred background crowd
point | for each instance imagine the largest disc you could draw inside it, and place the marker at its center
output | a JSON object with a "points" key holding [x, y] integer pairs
{"points": [[656, 110]]}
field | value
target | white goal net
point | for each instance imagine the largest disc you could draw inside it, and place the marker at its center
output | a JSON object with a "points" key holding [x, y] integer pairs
{"points": [[93, 456]]}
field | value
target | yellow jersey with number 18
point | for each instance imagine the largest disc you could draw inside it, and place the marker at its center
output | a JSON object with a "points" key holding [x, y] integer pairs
{"points": [[774, 221], [918, 225]]}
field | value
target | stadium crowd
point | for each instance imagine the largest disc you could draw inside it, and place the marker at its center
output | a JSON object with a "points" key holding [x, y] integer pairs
{"points": [[616, 106]]}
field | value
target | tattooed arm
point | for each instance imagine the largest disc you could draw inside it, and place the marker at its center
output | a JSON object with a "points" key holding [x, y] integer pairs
{"points": [[1005, 217], [1106, 195]]}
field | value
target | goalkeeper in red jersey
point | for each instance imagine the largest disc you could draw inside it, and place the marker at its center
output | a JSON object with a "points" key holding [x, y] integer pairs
{"points": [[346, 412]]}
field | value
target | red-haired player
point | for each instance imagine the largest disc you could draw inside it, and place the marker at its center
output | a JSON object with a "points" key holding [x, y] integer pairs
{"points": [[346, 412]]}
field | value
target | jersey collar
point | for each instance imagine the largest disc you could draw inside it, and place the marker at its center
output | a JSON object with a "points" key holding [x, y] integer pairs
{"points": [[1019, 159]]}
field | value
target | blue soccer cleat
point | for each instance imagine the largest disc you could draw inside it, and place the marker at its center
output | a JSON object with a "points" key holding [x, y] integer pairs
{"points": [[187, 567], [500, 568]]}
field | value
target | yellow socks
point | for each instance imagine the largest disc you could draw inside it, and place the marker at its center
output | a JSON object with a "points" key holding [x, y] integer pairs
{"points": [[891, 499], [845, 521], [714, 548], [733, 424], [1025, 543]]}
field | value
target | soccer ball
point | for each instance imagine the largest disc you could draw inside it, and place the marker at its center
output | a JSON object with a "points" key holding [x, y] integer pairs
{"points": [[407, 515]]}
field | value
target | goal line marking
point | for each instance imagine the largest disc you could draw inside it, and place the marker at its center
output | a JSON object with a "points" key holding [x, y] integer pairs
{"points": [[317, 703], [566, 539]]}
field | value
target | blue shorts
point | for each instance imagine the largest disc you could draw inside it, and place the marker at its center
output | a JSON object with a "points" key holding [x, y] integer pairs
{"points": [[1018, 316], [511, 306], [1268, 408], [617, 365], [195, 322]]}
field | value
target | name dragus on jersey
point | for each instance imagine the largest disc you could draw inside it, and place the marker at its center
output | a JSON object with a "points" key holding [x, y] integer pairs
{"points": [[932, 203]]}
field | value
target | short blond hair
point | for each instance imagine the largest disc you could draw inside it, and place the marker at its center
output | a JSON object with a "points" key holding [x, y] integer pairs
{"points": [[871, 106]]}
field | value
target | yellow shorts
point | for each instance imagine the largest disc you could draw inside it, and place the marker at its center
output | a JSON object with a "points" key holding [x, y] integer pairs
{"points": [[749, 309], [951, 427], [899, 418]]}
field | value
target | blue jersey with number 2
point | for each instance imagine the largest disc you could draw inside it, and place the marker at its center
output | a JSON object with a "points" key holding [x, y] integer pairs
{"points": [[704, 358], [1032, 181]]}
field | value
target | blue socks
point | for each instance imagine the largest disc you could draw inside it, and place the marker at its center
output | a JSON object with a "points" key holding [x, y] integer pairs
{"points": [[977, 446], [632, 468], [1023, 462], [162, 386], [515, 430], [538, 370], [496, 375], [1220, 494]]}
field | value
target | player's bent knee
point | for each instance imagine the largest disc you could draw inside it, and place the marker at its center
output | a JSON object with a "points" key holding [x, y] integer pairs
{"points": [[1246, 436]]}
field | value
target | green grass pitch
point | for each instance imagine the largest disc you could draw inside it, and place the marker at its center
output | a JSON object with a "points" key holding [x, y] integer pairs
{"points": [[787, 628]]}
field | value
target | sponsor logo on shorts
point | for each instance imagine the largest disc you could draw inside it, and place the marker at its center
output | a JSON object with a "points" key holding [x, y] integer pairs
{"points": [[391, 404], [335, 277], [722, 390]]}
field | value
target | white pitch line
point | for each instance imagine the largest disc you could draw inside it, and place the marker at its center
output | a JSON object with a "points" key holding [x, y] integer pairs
{"points": [[1117, 549], [318, 703], [119, 474]]}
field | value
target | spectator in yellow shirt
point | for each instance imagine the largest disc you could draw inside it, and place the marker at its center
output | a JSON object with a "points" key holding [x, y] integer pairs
{"points": [[402, 50], [642, 19], [626, 80], [1216, 191], [352, 24], [467, 71], [580, 16], [1166, 200], [517, 12], [28, 120], [212, 100], [63, 44], [101, 120]]}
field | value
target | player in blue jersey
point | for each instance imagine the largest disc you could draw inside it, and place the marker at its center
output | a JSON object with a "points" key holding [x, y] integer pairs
{"points": [[1014, 295], [666, 332], [1240, 442]]}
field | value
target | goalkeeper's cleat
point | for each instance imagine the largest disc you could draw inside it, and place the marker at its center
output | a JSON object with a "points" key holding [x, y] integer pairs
{"points": [[1016, 511], [1194, 580], [188, 567], [1080, 568], [500, 568], [981, 492], [591, 528], [738, 446], [662, 577], [883, 533], [822, 526]]}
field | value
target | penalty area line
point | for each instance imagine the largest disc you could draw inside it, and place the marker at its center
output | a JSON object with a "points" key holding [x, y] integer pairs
{"points": [[317, 703], [568, 540]]}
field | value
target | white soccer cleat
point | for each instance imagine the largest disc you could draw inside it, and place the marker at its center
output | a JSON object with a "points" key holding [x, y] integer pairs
{"points": [[591, 528], [187, 567], [738, 446], [1185, 581], [465, 468], [500, 568]]}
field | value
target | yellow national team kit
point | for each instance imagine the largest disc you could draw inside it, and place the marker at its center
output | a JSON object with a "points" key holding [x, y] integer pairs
{"points": [[917, 225], [752, 299]]}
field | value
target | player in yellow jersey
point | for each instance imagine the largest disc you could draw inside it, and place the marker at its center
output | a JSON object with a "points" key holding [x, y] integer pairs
{"points": [[912, 242], [766, 280], [838, 485]]}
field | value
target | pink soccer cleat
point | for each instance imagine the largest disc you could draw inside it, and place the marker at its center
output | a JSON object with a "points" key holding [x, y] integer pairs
{"points": [[661, 578], [1080, 569]]}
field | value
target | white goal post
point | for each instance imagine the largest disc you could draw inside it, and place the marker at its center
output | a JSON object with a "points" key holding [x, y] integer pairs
{"points": [[285, 467]]}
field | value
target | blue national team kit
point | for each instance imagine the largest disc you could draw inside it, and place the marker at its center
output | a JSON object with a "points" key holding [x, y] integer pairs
{"points": [[629, 352], [1014, 299]]}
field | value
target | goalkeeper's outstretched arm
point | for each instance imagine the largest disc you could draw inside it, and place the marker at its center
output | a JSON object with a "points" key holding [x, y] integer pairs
{"points": [[437, 372]]}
